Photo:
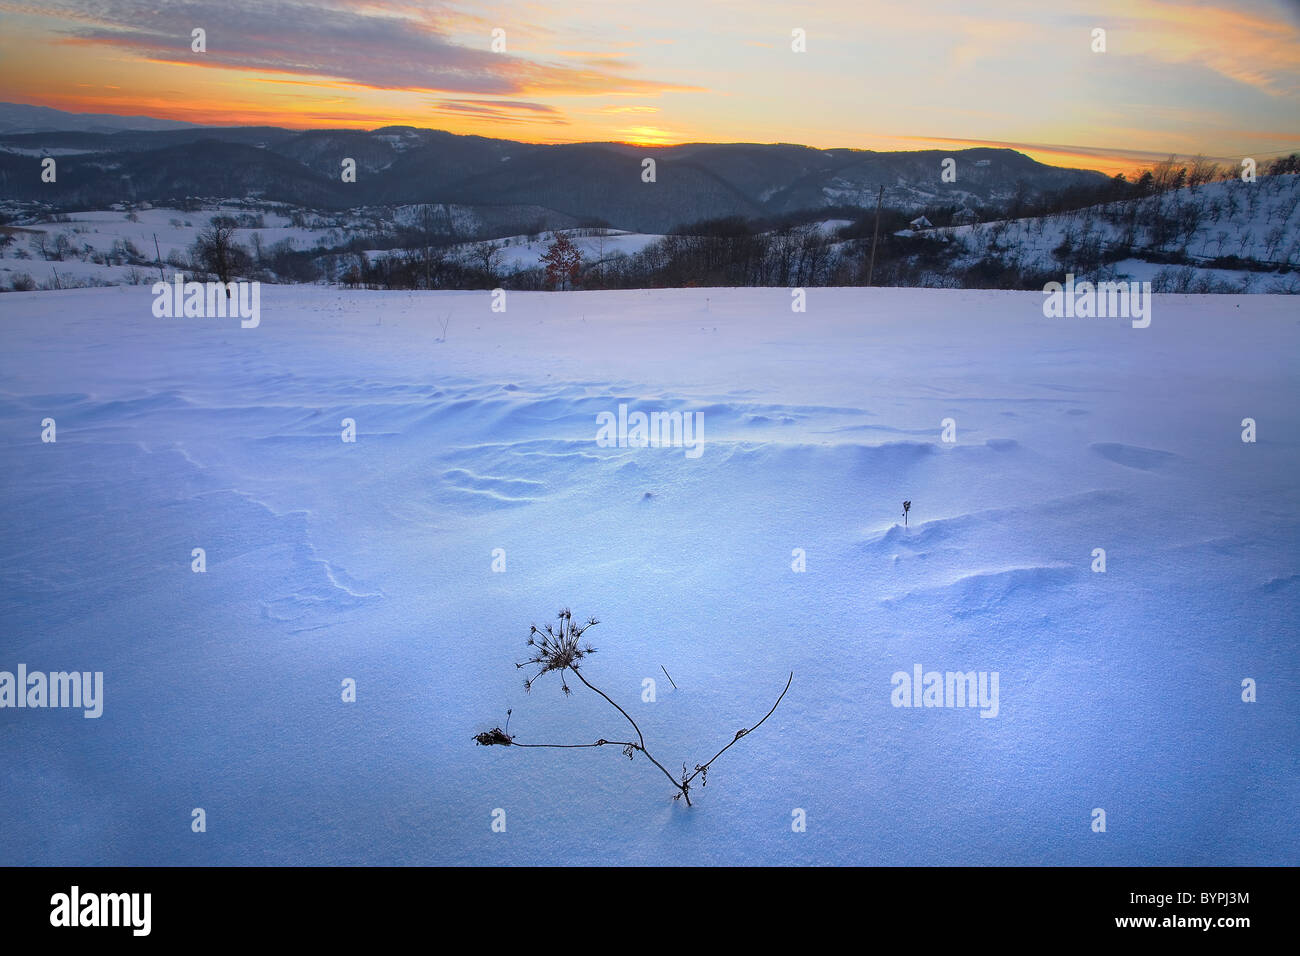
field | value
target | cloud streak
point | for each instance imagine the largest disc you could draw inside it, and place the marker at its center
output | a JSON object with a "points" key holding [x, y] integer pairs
{"points": [[411, 50]]}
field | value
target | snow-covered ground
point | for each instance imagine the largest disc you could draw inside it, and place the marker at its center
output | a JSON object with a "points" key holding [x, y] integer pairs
{"points": [[95, 234], [373, 561]]}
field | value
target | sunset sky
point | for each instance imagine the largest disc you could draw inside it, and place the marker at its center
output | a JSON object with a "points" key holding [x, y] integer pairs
{"points": [[1217, 77]]}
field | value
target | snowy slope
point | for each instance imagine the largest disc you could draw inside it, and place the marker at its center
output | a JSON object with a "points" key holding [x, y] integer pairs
{"points": [[373, 561], [99, 233], [1259, 220]]}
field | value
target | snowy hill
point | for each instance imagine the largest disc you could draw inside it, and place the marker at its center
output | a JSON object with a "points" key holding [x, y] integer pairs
{"points": [[1217, 224]]}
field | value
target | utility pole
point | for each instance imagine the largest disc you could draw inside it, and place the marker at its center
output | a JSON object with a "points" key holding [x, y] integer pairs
{"points": [[871, 269], [158, 256]]}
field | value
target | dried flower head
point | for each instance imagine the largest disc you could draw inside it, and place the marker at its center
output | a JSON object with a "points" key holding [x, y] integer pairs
{"points": [[557, 647]]}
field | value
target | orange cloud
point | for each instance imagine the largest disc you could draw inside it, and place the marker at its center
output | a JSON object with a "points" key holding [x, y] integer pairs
{"points": [[1253, 49]]}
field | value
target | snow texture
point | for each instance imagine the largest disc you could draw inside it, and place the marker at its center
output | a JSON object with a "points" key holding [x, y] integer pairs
{"points": [[372, 560]]}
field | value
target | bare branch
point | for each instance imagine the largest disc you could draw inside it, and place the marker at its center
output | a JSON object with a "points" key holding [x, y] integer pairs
{"points": [[634, 727], [742, 732]]}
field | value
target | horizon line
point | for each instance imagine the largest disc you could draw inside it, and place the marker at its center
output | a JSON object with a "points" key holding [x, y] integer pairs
{"points": [[1113, 160]]}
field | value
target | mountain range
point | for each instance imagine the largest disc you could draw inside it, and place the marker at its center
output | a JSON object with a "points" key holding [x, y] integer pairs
{"points": [[159, 161]]}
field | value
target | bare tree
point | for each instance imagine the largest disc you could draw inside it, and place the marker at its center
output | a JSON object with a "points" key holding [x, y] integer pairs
{"points": [[1203, 171], [1233, 200], [428, 223], [487, 256], [216, 252], [1189, 221], [1274, 240]]}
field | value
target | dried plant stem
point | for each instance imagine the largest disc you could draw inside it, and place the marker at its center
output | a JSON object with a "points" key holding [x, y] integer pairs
{"points": [[599, 743], [742, 732], [640, 735], [561, 650], [684, 785]]}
